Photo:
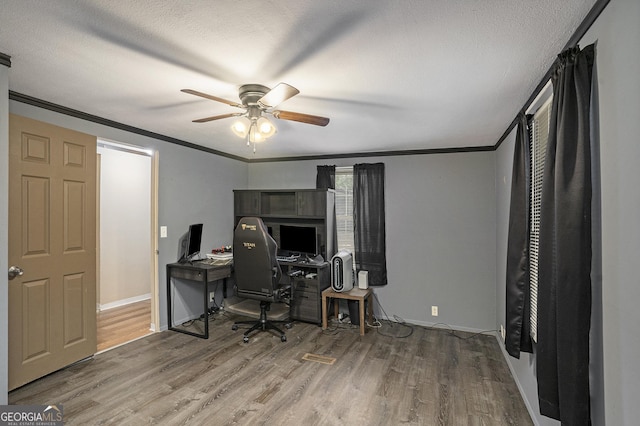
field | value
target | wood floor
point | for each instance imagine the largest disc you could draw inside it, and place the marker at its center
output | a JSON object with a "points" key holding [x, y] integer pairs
{"points": [[419, 377], [123, 324]]}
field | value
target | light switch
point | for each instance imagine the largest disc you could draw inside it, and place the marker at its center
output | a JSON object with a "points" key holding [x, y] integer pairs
{"points": [[163, 232]]}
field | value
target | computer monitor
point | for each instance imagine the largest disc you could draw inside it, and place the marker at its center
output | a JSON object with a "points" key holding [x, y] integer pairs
{"points": [[298, 239], [190, 243]]}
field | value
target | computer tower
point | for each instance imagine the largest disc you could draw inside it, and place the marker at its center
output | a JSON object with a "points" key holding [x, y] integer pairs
{"points": [[342, 271]]}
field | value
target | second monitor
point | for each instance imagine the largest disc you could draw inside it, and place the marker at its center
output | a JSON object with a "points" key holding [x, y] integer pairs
{"points": [[298, 239]]}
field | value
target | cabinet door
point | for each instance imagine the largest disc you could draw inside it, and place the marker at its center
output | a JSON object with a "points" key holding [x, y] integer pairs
{"points": [[312, 203], [246, 203], [278, 203]]}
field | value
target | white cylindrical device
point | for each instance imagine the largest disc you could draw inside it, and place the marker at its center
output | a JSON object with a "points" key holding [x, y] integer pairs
{"points": [[363, 280]]}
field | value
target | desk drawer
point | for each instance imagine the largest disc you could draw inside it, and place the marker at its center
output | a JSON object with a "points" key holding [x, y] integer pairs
{"points": [[305, 308], [306, 285], [187, 274], [218, 274]]}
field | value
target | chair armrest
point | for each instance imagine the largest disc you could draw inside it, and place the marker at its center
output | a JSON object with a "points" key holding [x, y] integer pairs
{"points": [[284, 292]]}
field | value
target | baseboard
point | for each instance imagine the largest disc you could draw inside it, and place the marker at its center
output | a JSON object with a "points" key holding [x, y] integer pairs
{"points": [[443, 326], [121, 344], [123, 302], [506, 356]]}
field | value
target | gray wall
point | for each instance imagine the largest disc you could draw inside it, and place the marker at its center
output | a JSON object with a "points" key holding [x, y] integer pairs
{"points": [[617, 34], [618, 60], [194, 187], [523, 368], [441, 230]]}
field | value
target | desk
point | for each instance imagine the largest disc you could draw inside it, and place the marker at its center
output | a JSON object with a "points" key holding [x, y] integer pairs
{"points": [[354, 294], [306, 293], [204, 274]]}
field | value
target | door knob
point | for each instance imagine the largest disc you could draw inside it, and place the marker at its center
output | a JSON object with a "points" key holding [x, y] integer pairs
{"points": [[15, 271]]}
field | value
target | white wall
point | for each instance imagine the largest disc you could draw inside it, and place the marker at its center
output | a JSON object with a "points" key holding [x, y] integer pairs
{"points": [[616, 32], [125, 231], [440, 227], [4, 226]]}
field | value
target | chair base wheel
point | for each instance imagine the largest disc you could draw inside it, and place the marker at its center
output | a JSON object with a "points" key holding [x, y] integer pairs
{"points": [[263, 324]]}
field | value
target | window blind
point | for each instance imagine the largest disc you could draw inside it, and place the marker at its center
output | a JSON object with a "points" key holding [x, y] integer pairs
{"points": [[538, 137], [344, 207]]}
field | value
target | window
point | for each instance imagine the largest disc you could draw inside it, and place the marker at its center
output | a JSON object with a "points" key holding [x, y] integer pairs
{"points": [[344, 207], [538, 137]]}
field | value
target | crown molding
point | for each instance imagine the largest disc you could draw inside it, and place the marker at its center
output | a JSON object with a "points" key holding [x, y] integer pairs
{"points": [[377, 154], [30, 100], [19, 97], [5, 60]]}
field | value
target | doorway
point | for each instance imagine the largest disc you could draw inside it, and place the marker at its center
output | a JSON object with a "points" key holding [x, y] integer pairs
{"points": [[126, 259]]}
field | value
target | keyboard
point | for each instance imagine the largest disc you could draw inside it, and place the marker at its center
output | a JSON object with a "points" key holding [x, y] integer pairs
{"points": [[286, 258], [216, 262]]}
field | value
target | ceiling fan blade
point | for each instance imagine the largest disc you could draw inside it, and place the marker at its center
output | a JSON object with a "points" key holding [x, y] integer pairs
{"points": [[302, 118], [277, 95], [218, 117], [211, 97]]}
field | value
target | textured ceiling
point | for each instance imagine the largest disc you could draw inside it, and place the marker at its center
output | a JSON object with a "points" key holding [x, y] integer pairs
{"points": [[391, 75]]}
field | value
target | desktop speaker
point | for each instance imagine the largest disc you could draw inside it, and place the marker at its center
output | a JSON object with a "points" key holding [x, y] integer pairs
{"points": [[363, 280], [342, 271]]}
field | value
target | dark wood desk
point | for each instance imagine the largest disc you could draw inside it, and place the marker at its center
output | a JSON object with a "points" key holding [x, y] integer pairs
{"points": [[200, 272]]}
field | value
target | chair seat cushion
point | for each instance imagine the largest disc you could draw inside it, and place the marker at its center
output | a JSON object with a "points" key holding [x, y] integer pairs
{"points": [[251, 308]]}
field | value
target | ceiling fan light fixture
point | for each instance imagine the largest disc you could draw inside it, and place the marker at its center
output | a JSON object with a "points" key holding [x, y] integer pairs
{"points": [[241, 127], [253, 130], [255, 136], [257, 100], [266, 127]]}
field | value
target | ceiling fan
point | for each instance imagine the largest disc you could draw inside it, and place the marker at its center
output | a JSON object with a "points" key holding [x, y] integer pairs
{"points": [[257, 100]]}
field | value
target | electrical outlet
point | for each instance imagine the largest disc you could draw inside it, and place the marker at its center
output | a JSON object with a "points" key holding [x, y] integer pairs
{"points": [[434, 311], [212, 297], [502, 332]]}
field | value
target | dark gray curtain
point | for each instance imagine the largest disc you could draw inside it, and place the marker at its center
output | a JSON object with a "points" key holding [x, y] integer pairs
{"points": [[564, 293], [518, 324], [326, 179], [368, 221]]}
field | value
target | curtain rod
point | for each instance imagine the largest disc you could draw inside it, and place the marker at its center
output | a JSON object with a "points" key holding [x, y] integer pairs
{"points": [[582, 29]]}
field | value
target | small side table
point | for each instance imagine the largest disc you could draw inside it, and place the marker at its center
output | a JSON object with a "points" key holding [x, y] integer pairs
{"points": [[354, 294]]}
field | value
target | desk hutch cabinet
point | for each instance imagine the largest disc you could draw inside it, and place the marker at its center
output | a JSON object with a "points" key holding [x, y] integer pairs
{"points": [[297, 207], [303, 207]]}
